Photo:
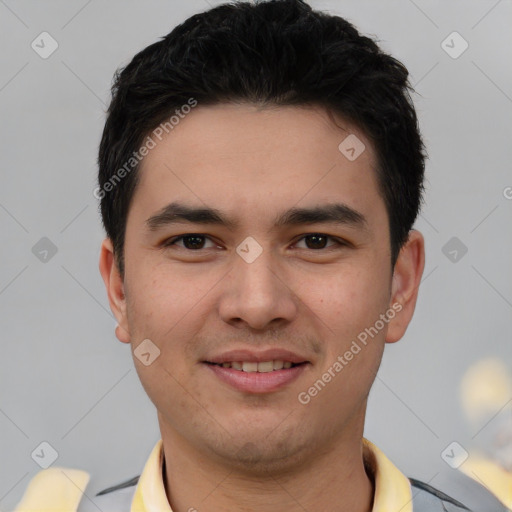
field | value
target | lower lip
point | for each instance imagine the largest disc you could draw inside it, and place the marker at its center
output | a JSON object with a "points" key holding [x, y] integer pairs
{"points": [[256, 382]]}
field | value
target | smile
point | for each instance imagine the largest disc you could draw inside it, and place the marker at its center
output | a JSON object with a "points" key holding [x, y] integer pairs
{"points": [[261, 367], [257, 377]]}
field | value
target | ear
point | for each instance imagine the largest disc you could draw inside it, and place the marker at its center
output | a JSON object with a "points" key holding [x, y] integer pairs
{"points": [[115, 289], [406, 281]]}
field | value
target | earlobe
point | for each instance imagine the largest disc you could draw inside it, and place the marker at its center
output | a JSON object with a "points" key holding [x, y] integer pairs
{"points": [[122, 334], [405, 285], [115, 289]]}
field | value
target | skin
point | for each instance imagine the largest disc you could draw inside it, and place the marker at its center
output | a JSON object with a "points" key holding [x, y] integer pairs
{"points": [[225, 449]]}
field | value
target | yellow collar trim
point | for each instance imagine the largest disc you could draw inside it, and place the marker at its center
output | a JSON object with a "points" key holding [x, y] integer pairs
{"points": [[392, 488]]}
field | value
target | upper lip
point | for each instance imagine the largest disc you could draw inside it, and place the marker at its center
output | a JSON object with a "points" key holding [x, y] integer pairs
{"points": [[244, 355]]}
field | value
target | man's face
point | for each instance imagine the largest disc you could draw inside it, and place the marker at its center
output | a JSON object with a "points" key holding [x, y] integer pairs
{"points": [[256, 290]]}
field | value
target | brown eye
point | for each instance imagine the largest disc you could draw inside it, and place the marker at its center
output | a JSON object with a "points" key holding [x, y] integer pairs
{"points": [[191, 242], [317, 241]]}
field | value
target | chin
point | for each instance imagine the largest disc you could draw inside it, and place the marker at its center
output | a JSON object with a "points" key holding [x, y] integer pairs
{"points": [[258, 453]]}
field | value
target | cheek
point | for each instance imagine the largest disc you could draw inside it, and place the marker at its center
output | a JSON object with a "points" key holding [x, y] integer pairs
{"points": [[349, 309], [161, 300], [161, 309], [349, 300]]}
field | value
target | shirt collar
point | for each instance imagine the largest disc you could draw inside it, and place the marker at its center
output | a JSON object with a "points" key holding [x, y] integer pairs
{"points": [[392, 488]]}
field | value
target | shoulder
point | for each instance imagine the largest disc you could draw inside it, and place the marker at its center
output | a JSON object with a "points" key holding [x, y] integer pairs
{"points": [[459, 493], [64, 488], [117, 498], [428, 499]]}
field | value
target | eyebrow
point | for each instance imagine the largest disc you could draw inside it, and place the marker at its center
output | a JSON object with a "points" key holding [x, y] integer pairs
{"points": [[335, 213]]}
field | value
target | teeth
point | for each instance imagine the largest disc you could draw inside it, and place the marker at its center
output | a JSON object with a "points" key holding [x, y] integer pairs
{"points": [[267, 366], [250, 367], [262, 367]]}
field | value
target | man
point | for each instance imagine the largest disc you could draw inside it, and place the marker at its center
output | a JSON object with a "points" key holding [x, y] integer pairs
{"points": [[260, 172]]}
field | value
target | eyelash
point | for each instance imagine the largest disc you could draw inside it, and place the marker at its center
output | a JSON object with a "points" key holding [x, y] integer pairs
{"points": [[172, 241]]}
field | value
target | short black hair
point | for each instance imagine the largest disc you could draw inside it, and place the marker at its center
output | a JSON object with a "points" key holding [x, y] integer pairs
{"points": [[275, 53]]}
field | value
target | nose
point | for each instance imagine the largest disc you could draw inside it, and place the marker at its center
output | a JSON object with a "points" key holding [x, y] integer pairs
{"points": [[257, 295]]}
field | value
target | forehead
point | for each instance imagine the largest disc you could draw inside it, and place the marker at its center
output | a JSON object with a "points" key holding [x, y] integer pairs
{"points": [[253, 160]]}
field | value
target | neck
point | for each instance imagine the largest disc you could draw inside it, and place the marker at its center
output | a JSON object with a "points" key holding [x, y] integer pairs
{"points": [[334, 480]]}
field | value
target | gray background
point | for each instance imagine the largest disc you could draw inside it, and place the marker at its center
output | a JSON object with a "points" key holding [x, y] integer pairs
{"points": [[64, 377]]}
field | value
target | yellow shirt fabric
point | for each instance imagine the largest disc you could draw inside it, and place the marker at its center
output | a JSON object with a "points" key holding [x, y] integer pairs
{"points": [[55, 489]]}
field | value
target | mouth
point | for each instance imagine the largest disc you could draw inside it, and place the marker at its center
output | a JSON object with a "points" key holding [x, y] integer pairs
{"points": [[259, 367], [263, 372]]}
